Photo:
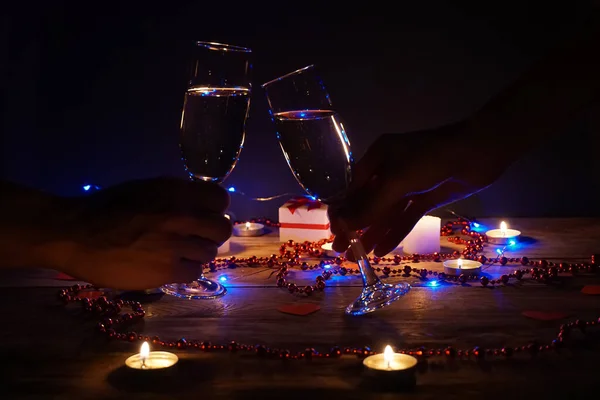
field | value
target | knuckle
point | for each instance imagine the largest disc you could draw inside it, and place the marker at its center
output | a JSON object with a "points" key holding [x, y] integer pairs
{"points": [[224, 230], [383, 142], [223, 195], [211, 253]]}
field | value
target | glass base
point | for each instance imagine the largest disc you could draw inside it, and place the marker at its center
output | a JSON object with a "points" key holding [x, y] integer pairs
{"points": [[377, 296], [143, 296], [200, 289]]}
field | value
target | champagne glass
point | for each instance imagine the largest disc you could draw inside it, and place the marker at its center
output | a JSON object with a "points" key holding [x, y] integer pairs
{"points": [[314, 143], [212, 131]]}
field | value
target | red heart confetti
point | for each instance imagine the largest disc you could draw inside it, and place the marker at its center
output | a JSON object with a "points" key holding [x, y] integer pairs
{"points": [[545, 315], [64, 277], [299, 309], [591, 289]]}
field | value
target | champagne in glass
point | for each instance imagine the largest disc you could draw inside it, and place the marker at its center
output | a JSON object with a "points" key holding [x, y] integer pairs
{"points": [[315, 144], [212, 129]]}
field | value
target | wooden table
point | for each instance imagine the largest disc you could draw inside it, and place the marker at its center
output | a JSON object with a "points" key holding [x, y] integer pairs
{"points": [[52, 352]]}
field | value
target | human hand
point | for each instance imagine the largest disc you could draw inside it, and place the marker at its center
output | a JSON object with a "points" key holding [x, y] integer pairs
{"points": [[146, 233], [401, 178]]}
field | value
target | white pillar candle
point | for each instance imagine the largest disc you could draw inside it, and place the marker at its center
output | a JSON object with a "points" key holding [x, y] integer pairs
{"points": [[225, 247], [424, 237], [327, 248]]}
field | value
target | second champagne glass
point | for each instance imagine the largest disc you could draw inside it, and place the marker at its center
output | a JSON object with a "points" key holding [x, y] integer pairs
{"points": [[212, 130], [316, 147]]}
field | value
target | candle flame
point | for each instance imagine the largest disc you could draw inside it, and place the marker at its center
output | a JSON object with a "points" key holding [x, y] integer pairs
{"points": [[248, 225], [388, 354], [503, 228], [459, 262], [144, 351]]}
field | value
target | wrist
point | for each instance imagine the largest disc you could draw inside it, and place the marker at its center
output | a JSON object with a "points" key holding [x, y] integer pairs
{"points": [[478, 142], [56, 254], [33, 229]]}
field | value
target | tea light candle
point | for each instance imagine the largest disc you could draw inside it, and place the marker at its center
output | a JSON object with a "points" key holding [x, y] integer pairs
{"points": [[391, 368], [502, 235], [248, 229], [424, 237], [328, 250], [460, 266], [151, 360]]}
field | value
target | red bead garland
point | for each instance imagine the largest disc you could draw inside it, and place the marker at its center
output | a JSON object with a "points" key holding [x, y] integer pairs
{"points": [[110, 319], [290, 255]]}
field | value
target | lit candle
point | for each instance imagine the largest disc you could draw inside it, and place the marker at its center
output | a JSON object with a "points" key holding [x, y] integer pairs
{"points": [[248, 229], [327, 248], [460, 266], [391, 368], [225, 247], [503, 235], [388, 356], [424, 237], [151, 360]]}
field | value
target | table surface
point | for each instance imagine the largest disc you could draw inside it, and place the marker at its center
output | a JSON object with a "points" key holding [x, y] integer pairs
{"points": [[51, 351]]}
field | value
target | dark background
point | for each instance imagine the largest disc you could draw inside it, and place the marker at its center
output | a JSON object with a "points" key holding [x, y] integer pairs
{"points": [[92, 92]]}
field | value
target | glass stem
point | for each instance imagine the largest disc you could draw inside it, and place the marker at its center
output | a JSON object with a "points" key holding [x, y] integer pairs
{"points": [[367, 272]]}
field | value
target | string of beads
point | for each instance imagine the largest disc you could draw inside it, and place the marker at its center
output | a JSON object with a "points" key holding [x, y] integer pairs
{"points": [[291, 254], [112, 321]]}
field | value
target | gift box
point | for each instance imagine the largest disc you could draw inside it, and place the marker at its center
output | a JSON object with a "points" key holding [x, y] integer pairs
{"points": [[303, 219]]}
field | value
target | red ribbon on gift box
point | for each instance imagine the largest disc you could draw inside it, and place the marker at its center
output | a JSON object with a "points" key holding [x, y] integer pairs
{"points": [[298, 202], [303, 226]]}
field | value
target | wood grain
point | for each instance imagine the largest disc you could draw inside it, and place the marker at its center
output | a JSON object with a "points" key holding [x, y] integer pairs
{"points": [[52, 352]]}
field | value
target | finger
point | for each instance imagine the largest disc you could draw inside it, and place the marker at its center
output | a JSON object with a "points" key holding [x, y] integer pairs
{"points": [[371, 237], [131, 269], [337, 210], [378, 230], [374, 234], [366, 208], [194, 248], [332, 215], [162, 194], [403, 224], [401, 227], [340, 243], [213, 227], [214, 196], [185, 271], [199, 197]]}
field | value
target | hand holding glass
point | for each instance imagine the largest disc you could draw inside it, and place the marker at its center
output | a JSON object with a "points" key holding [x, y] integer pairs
{"points": [[316, 147], [212, 129]]}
